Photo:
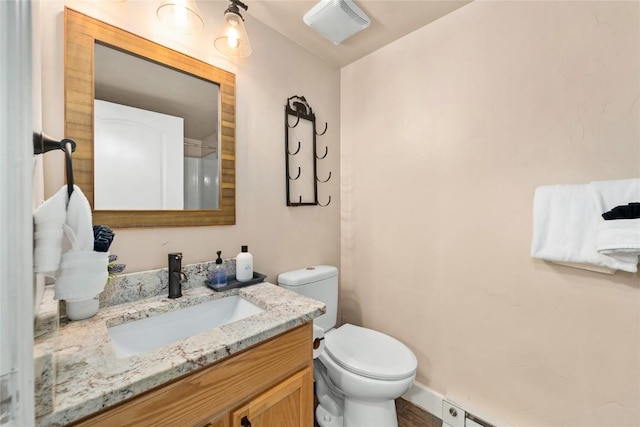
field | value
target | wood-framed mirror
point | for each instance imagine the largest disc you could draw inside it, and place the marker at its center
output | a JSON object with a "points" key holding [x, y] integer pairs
{"points": [[82, 35]]}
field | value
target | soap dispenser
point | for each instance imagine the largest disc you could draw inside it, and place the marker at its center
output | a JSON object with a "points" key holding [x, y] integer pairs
{"points": [[244, 265], [218, 276]]}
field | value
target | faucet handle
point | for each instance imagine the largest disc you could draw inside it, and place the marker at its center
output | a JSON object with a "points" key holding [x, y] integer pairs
{"points": [[181, 276]]}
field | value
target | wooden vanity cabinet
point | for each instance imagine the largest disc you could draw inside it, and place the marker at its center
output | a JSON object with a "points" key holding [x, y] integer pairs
{"points": [[281, 406], [269, 385]]}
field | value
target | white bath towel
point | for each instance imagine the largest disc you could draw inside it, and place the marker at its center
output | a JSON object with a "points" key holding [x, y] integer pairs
{"points": [[564, 227], [78, 225], [609, 194], [82, 275], [619, 238], [48, 219], [83, 272]]}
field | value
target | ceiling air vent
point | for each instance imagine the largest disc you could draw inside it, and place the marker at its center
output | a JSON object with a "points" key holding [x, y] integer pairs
{"points": [[337, 20]]}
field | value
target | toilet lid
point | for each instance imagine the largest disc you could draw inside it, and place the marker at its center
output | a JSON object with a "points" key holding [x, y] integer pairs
{"points": [[370, 353]]}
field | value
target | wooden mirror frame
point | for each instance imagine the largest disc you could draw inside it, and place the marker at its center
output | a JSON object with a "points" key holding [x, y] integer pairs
{"points": [[81, 32]]}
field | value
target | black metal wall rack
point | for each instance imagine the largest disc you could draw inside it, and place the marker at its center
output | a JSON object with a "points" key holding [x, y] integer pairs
{"points": [[300, 126]]}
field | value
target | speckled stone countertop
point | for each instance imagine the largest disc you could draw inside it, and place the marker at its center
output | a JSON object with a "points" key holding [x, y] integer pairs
{"points": [[89, 377]]}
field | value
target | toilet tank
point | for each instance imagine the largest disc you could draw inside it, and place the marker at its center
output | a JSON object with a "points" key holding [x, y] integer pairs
{"points": [[320, 283]]}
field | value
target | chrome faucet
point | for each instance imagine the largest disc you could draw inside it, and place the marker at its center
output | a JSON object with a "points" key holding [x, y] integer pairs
{"points": [[176, 276]]}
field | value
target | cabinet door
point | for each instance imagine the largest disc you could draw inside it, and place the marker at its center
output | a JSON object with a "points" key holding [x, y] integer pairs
{"points": [[288, 404]]}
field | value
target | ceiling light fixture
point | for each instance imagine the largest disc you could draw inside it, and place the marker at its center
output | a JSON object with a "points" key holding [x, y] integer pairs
{"points": [[181, 16], [337, 20], [233, 40]]}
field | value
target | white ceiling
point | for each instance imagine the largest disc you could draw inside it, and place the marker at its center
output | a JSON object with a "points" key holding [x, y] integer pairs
{"points": [[390, 20]]}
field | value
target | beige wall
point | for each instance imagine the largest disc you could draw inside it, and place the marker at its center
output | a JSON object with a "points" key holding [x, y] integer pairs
{"points": [[445, 135], [279, 237]]}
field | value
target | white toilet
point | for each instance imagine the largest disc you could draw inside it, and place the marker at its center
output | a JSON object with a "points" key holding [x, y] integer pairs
{"points": [[360, 372]]}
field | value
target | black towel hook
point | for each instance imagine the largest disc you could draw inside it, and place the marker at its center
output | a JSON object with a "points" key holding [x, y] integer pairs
{"points": [[326, 126], [326, 204], [297, 176], [297, 121], [326, 151], [326, 180], [295, 152]]}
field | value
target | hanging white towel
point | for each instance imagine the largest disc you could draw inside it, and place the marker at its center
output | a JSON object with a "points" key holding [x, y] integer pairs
{"points": [[83, 272], [564, 227], [82, 275], [619, 238], [78, 225], [48, 219]]}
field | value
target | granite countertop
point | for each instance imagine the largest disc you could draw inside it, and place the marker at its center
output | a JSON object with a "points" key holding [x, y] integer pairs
{"points": [[89, 377]]}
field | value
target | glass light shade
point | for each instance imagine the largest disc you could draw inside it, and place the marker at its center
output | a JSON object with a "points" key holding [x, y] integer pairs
{"points": [[233, 40], [181, 16]]}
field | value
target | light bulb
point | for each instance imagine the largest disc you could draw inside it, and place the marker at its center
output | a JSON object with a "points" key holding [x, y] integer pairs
{"points": [[232, 38], [180, 15]]}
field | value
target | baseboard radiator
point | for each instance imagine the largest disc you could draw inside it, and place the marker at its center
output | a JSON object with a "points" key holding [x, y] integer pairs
{"points": [[453, 415]]}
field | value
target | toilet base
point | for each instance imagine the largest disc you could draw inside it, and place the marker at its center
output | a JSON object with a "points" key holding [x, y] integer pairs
{"points": [[360, 414], [325, 419], [369, 414]]}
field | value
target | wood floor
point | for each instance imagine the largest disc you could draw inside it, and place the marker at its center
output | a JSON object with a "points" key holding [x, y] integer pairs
{"points": [[410, 415]]}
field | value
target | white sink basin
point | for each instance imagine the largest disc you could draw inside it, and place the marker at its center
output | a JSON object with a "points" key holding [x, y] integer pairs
{"points": [[139, 336]]}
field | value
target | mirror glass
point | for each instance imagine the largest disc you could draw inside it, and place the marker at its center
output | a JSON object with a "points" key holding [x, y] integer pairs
{"points": [[155, 135], [154, 128]]}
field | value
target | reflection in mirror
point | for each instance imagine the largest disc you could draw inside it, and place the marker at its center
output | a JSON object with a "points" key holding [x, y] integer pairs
{"points": [[205, 134], [156, 135]]}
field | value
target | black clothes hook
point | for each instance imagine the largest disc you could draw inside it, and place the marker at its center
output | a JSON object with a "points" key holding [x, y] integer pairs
{"points": [[326, 126], [297, 176], [326, 180], [296, 152], [326, 151], [325, 205], [297, 121]]}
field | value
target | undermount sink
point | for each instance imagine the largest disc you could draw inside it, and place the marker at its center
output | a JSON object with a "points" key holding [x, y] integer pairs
{"points": [[139, 336]]}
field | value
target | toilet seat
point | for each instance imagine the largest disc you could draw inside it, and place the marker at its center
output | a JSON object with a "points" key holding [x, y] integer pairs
{"points": [[370, 353]]}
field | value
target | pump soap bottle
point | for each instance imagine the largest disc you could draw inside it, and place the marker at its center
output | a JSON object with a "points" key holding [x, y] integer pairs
{"points": [[218, 276], [244, 265]]}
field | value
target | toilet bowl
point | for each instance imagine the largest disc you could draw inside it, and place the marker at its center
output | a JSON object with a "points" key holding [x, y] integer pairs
{"points": [[368, 370], [360, 372]]}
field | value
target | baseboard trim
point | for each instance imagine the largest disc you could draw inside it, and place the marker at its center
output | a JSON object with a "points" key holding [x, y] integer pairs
{"points": [[425, 398]]}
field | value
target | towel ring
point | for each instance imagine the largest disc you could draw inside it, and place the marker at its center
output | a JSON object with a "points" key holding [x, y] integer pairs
{"points": [[42, 143], [69, 147]]}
